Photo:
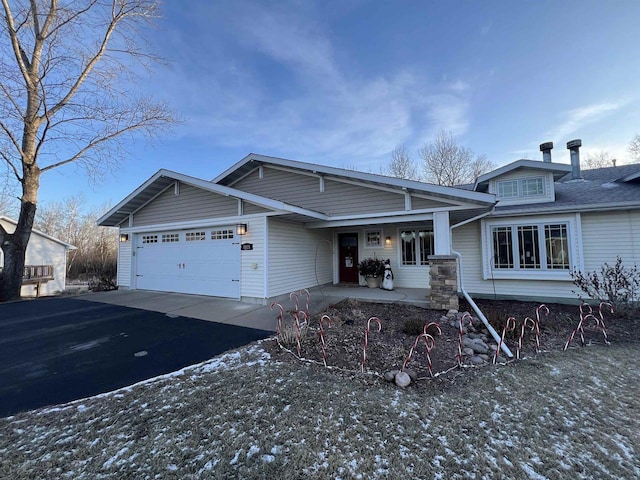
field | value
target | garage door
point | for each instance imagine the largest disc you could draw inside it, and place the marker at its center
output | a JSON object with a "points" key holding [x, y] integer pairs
{"points": [[201, 261]]}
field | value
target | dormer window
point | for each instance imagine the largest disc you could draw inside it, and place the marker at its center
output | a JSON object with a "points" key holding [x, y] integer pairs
{"points": [[523, 187]]}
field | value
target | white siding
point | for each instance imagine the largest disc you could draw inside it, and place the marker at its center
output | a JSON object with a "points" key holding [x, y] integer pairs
{"points": [[123, 278], [42, 251], [252, 262], [296, 257], [607, 235]]}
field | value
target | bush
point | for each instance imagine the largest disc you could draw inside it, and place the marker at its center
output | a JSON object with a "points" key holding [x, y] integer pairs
{"points": [[413, 326], [617, 284]]}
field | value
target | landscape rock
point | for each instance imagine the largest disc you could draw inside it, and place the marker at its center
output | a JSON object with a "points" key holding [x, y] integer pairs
{"points": [[402, 379], [391, 375], [479, 346], [493, 346], [467, 351], [501, 360], [413, 375], [484, 357], [476, 360], [452, 313]]}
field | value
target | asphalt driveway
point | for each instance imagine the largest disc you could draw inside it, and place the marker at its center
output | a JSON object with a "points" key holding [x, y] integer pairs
{"points": [[60, 349]]}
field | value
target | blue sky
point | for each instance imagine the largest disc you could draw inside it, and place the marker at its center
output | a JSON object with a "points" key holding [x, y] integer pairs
{"points": [[342, 83]]}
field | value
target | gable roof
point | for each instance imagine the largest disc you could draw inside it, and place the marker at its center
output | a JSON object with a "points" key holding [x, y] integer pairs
{"points": [[601, 189], [559, 170], [253, 161], [163, 179], [41, 234]]}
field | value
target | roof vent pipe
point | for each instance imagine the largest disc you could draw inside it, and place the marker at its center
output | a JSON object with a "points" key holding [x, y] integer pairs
{"points": [[546, 148], [574, 148]]}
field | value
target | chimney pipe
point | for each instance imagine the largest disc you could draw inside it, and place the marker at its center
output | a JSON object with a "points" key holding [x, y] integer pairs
{"points": [[574, 148], [546, 148]]}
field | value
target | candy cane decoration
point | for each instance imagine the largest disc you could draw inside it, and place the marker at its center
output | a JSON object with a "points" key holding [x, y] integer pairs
{"points": [[527, 322], [432, 324], [366, 338], [330, 323], [280, 315], [537, 329], [306, 292], [509, 326], [429, 343], [602, 324], [465, 317], [297, 324], [293, 296]]}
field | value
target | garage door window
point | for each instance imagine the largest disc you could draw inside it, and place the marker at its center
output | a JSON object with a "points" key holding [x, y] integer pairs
{"points": [[195, 236], [170, 237], [221, 234], [150, 239]]}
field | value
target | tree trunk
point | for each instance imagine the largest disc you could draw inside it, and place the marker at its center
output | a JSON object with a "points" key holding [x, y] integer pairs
{"points": [[14, 248]]}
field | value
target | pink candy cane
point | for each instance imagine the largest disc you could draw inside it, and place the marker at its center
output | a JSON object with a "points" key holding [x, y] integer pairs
{"points": [[537, 329], [465, 317], [432, 324], [280, 315], [293, 296], [297, 324], [306, 292], [509, 326], [527, 322], [602, 324], [366, 338], [324, 354], [429, 343]]}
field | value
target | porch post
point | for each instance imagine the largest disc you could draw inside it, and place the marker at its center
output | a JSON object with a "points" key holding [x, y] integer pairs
{"points": [[441, 233], [443, 282]]}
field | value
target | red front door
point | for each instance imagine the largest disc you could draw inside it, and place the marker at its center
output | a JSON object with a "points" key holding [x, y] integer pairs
{"points": [[348, 253]]}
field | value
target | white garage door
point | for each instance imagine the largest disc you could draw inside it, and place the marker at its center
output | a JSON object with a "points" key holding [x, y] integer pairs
{"points": [[203, 261]]}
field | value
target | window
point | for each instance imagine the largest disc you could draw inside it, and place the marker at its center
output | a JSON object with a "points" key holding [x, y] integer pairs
{"points": [[170, 237], [531, 247], [525, 187], [416, 246], [221, 234], [150, 239], [373, 238], [195, 236]]}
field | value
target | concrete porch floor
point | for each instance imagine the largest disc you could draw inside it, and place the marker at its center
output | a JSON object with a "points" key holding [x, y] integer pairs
{"points": [[412, 296]]}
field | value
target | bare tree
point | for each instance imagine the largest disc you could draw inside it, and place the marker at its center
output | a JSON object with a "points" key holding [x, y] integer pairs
{"points": [[634, 147], [67, 76], [598, 159], [401, 165], [445, 162]]}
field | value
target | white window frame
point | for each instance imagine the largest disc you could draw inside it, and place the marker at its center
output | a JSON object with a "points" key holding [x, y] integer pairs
{"points": [[573, 238], [520, 190], [378, 232], [417, 251]]}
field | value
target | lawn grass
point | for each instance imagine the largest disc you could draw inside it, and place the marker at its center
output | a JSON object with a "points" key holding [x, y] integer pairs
{"points": [[573, 414]]}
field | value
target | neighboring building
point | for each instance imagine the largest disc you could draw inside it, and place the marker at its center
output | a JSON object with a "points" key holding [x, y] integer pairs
{"points": [[267, 226], [45, 262]]}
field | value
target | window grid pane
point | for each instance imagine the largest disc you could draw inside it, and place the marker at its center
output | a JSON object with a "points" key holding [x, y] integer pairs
{"points": [[426, 245], [221, 234], [408, 246], [502, 247], [532, 186], [170, 237], [195, 236], [528, 246], [557, 243], [508, 189], [150, 239]]}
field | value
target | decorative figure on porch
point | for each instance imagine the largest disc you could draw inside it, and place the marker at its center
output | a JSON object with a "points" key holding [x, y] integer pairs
{"points": [[387, 277]]}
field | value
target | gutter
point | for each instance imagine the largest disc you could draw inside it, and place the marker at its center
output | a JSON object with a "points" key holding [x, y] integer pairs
{"points": [[467, 297]]}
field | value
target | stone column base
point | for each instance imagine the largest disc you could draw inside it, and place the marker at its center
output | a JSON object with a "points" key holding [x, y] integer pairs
{"points": [[443, 281]]}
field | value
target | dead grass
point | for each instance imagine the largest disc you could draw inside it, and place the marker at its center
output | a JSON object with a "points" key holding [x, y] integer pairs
{"points": [[572, 414]]}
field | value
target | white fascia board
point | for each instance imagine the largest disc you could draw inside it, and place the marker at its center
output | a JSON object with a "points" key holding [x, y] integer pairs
{"points": [[567, 209], [371, 221], [531, 164], [205, 222], [422, 187]]}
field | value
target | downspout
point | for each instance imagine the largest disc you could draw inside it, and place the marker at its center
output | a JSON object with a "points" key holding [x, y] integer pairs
{"points": [[467, 297]]}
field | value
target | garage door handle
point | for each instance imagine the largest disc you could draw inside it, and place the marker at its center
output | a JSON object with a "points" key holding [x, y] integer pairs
{"points": [[235, 280]]}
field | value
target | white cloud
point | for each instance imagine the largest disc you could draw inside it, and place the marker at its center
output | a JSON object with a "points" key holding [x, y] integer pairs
{"points": [[313, 102], [578, 118]]}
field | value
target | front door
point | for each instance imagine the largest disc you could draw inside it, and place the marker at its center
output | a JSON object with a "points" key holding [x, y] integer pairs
{"points": [[348, 253]]}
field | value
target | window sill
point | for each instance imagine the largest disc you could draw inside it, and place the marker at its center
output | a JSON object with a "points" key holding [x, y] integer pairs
{"points": [[529, 275]]}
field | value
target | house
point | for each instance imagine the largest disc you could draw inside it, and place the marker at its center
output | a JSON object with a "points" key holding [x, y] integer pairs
{"points": [[267, 226], [45, 270]]}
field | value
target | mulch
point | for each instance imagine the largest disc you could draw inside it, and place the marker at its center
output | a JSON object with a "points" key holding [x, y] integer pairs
{"points": [[401, 323]]}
